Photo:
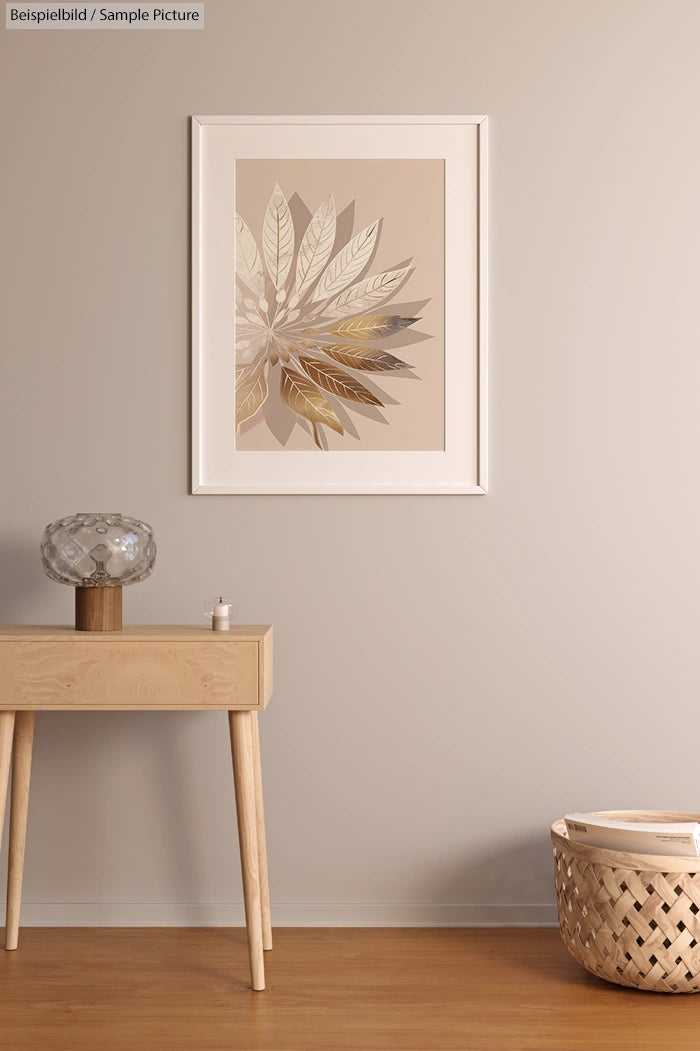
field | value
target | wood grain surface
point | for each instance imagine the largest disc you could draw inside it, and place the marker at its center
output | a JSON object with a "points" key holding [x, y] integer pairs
{"points": [[21, 774], [242, 753], [98, 609], [250, 632], [7, 729], [148, 667], [352, 989]]}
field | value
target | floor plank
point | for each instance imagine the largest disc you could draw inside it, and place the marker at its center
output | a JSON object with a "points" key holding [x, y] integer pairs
{"points": [[371, 989]]}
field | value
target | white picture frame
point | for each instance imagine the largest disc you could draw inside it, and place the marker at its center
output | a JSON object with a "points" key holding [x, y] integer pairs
{"points": [[219, 464]]}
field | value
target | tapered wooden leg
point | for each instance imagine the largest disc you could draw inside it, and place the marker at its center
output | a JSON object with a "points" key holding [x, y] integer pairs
{"points": [[21, 771], [242, 751], [7, 725], [262, 844]]}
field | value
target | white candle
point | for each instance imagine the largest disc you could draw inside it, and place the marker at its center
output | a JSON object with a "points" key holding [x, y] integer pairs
{"points": [[219, 621]]}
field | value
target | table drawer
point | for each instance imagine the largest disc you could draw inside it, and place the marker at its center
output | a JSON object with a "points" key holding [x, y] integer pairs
{"points": [[119, 673]]}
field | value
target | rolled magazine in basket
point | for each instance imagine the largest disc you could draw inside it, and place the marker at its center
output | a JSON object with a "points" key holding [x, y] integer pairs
{"points": [[673, 838]]}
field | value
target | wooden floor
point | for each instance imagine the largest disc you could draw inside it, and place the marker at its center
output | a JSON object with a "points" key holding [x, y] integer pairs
{"points": [[105, 989]]}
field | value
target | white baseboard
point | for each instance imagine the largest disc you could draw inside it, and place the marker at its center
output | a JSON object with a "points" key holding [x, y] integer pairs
{"points": [[109, 914]]}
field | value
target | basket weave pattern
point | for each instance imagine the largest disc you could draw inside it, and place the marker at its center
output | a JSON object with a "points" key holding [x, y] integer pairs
{"points": [[632, 927]]}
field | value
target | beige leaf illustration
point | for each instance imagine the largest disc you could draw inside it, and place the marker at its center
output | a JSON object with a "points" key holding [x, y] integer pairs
{"points": [[278, 238], [315, 315], [250, 391], [306, 400], [347, 264], [371, 292], [318, 436], [316, 247], [337, 382], [248, 262], [367, 359], [373, 326]]}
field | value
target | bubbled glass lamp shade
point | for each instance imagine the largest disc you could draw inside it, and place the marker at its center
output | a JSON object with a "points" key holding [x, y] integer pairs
{"points": [[97, 554]]}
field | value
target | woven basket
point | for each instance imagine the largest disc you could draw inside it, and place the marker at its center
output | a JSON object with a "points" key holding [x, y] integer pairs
{"points": [[632, 919]]}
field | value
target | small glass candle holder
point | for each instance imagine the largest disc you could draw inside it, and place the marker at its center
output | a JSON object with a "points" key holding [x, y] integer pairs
{"points": [[219, 609]]}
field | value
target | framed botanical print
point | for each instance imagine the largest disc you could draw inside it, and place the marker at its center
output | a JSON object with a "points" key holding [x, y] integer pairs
{"points": [[339, 304]]}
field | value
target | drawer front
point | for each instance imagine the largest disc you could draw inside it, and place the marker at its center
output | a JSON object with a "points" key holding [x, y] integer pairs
{"points": [[114, 674]]}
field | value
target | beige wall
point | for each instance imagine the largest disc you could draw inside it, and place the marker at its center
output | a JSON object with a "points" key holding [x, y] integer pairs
{"points": [[452, 672]]}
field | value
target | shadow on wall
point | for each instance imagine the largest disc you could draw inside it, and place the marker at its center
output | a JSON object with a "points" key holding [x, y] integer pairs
{"points": [[23, 579]]}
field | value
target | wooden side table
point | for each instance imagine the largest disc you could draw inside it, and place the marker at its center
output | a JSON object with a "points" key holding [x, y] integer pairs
{"points": [[147, 668]]}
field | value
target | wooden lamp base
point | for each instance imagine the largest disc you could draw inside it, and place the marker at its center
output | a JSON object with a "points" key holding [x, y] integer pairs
{"points": [[98, 609]]}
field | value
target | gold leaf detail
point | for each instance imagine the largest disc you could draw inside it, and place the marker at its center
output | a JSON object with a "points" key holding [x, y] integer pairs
{"points": [[374, 326], [306, 400], [367, 359], [250, 391], [337, 382]]}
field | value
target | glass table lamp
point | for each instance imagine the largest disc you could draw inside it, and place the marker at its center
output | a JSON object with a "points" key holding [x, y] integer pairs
{"points": [[98, 554]]}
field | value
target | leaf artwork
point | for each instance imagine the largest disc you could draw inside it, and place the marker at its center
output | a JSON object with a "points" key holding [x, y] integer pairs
{"points": [[366, 295], [311, 322], [278, 238], [304, 398], [376, 326], [251, 391], [315, 248], [248, 263], [347, 264], [368, 359], [340, 383]]}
